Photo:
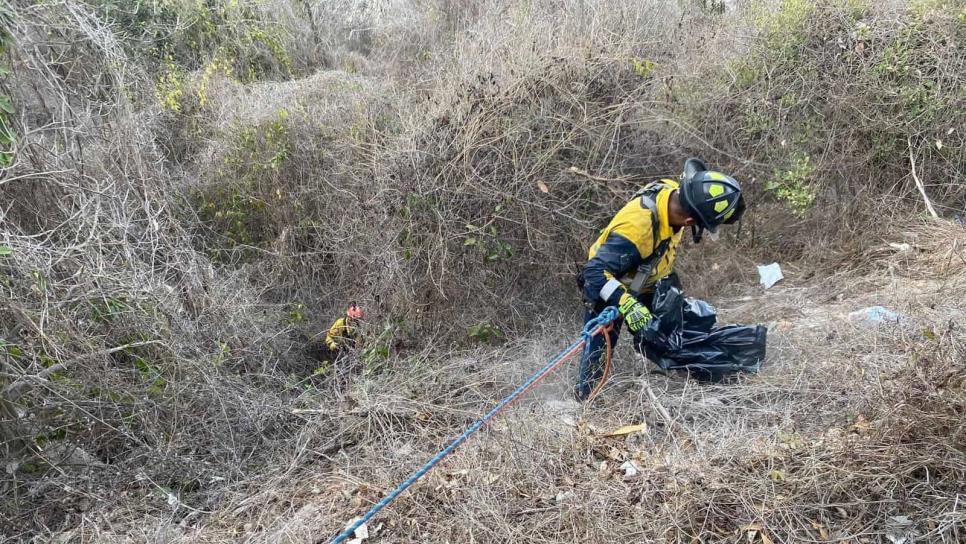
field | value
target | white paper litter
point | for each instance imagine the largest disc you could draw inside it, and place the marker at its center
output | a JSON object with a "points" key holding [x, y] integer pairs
{"points": [[900, 247], [769, 275], [361, 533]]}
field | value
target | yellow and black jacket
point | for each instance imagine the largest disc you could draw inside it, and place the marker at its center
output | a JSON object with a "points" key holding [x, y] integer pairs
{"points": [[627, 242], [340, 334]]}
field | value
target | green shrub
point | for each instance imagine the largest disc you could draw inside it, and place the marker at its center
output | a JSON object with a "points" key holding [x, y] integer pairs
{"points": [[794, 185], [784, 27], [842, 80], [242, 201], [190, 33]]}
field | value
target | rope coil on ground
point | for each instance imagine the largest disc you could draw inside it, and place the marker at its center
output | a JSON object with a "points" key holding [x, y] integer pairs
{"points": [[598, 325]]}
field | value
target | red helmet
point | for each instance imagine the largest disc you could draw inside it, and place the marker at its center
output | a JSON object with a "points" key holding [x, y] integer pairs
{"points": [[354, 312]]}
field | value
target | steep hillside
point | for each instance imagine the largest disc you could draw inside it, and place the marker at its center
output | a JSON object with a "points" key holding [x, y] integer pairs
{"points": [[852, 431], [191, 190]]}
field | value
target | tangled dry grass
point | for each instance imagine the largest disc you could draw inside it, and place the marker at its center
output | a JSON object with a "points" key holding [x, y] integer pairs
{"points": [[198, 187], [852, 432]]}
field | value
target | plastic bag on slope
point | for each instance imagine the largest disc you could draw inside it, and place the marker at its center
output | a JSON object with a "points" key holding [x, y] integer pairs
{"points": [[699, 315], [663, 333], [724, 350], [682, 336]]}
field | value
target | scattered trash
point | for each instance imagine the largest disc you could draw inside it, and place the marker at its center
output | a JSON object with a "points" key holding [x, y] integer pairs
{"points": [[900, 529], [876, 315], [565, 496], [628, 429], [630, 469], [173, 501], [769, 275], [568, 420], [902, 248], [361, 533]]}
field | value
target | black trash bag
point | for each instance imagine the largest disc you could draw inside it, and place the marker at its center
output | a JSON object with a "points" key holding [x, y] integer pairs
{"points": [[682, 337], [665, 332], [699, 315]]}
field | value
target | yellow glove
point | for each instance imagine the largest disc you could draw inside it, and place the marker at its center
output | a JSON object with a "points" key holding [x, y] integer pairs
{"points": [[636, 315]]}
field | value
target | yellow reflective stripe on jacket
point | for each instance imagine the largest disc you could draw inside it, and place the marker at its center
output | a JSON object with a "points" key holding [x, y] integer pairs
{"points": [[634, 223]]}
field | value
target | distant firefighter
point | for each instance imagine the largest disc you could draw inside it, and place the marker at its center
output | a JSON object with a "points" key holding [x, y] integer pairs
{"points": [[344, 333]]}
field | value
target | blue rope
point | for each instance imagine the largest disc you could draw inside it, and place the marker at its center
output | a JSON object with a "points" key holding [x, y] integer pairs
{"points": [[591, 328]]}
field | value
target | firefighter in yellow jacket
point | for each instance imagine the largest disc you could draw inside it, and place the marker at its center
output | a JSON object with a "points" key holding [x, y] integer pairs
{"points": [[343, 332], [638, 248]]}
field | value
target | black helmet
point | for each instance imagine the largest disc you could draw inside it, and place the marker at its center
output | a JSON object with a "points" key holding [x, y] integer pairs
{"points": [[710, 197]]}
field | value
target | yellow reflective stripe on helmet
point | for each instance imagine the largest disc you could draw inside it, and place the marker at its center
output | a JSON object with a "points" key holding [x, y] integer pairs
{"points": [[728, 215], [716, 190], [717, 176], [721, 206]]}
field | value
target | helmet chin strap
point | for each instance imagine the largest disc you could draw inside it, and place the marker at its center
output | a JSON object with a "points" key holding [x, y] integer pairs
{"points": [[697, 232]]}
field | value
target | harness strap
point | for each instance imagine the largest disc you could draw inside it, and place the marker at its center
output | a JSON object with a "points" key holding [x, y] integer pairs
{"points": [[648, 200]]}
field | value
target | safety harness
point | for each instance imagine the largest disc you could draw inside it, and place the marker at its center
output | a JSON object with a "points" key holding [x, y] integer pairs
{"points": [[648, 196]]}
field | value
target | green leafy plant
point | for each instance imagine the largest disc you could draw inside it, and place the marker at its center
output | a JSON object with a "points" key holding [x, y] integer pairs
{"points": [[148, 372], [643, 67], [485, 333], [243, 204], [11, 350], [186, 32], [296, 313], [224, 353], [105, 310], [377, 351], [793, 184], [488, 242], [784, 27]]}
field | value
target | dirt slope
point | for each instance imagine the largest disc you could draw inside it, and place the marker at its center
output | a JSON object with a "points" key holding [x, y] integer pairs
{"points": [[852, 432]]}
